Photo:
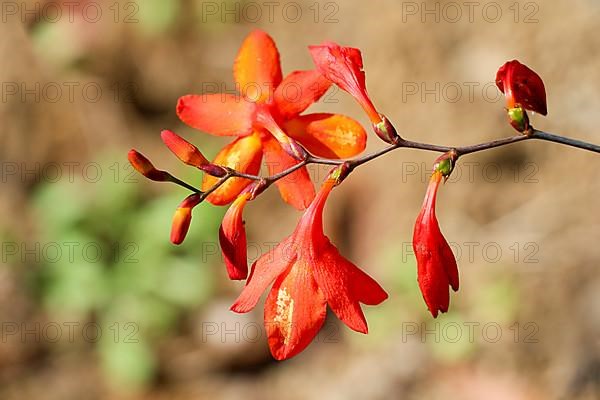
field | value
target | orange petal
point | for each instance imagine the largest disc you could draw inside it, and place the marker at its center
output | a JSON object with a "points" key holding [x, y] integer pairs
{"points": [[295, 311], [244, 155], [344, 286], [257, 69], [296, 189], [328, 135], [298, 91], [264, 272], [217, 114]]}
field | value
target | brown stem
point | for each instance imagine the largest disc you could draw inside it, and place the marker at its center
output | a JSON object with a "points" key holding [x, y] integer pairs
{"points": [[460, 151]]}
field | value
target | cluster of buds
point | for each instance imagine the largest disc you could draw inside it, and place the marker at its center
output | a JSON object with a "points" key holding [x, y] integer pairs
{"points": [[306, 273]]}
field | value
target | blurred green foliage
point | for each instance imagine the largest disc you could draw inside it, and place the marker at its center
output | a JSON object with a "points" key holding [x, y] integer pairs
{"points": [[123, 274]]}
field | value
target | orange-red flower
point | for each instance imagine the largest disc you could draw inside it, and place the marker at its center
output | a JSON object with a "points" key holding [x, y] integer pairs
{"points": [[436, 265], [344, 67], [266, 120], [308, 273]]}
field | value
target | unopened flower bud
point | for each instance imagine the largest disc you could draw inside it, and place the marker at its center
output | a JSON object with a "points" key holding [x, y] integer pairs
{"points": [[183, 218], [142, 165], [214, 170], [184, 150], [386, 131]]}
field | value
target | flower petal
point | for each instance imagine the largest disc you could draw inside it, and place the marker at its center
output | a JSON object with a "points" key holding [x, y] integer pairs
{"points": [[296, 188], [257, 68], [295, 311], [524, 85], [232, 238], [298, 91], [344, 285], [244, 155], [344, 67], [217, 114], [328, 135], [264, 272]]}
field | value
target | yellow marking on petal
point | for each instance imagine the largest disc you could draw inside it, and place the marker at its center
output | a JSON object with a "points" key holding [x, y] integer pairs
{"points": [[284, 314]]}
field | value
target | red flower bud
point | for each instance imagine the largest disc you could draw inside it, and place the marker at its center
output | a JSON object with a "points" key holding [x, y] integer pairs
{"points": [[436, 265], [232, 238], [184, 150], [183, 218], [522, 87], [524, 90], [145, 167]]}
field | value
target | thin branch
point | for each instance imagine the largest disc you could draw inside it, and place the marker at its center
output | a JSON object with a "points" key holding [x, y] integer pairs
{"points": [[565, 140], [353, 163], [181, 183]]}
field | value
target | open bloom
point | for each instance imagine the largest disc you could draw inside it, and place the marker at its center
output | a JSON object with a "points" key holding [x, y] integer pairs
{"points": [[344, 67], [308, 273], [266, 121], [436, 265], [524, 90]]}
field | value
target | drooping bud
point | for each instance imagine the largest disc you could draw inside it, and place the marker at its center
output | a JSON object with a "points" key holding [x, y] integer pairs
{"points": [[183, 218], [386, 131], [142, 165], [436, 264], [232, 238], [184, 150]]}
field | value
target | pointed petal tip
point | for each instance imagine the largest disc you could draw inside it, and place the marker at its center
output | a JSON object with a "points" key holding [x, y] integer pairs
{"points": [[238, 309]]}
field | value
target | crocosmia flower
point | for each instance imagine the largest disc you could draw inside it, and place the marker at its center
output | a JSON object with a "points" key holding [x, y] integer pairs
{"points": [[344, 67], [436, 265], [266, 120], [307, 273], [524, 90]]}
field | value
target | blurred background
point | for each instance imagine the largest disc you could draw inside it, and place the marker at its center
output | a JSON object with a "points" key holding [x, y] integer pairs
{"points": [[95, 303]]}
